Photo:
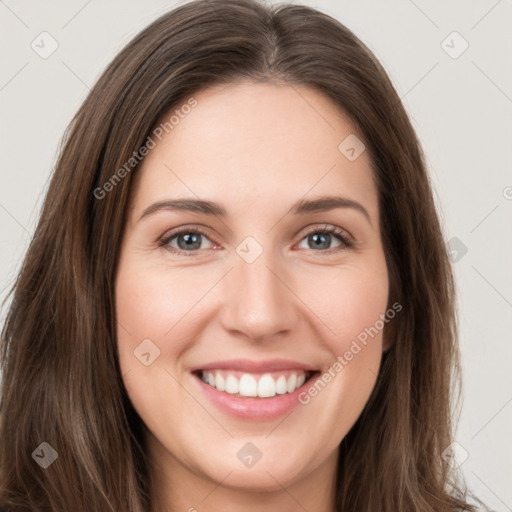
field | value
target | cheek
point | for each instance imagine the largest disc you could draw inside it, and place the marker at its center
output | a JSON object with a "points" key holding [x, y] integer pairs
{"points": [[352, 305], [362, 300], [152, 307], [152, 304], [347, 301]]}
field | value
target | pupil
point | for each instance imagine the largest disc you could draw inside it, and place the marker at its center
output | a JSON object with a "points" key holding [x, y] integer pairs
{"points": [[321, 240], [190, 240]]}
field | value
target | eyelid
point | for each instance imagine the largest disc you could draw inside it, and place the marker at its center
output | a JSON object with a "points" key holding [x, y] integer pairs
{"points": [[331, 228]]}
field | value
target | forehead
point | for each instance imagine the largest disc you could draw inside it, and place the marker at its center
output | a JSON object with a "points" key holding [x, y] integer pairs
{"points": [[250, 141]]}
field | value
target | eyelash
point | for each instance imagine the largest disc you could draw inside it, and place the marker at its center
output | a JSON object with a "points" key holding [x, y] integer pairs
{"points": [[326, 229]]}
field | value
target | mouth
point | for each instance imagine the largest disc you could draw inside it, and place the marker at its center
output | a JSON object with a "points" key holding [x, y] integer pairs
{"points": [[254, 390], [261, 385]]}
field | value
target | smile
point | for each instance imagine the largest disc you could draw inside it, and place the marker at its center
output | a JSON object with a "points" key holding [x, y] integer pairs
{"points": [[253, 390], [266, 385]]}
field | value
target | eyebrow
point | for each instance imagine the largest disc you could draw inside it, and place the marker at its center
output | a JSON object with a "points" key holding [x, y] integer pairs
{"points": [[301, 207]]}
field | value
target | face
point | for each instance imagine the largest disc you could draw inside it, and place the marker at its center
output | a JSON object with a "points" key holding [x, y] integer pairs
{"points": [[250, 331]]}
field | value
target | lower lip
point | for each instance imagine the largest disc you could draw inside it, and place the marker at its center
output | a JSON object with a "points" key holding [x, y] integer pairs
{"points": [[251, 408]]}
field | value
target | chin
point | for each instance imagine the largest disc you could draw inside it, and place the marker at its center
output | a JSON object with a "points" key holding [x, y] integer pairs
{"points": [[273, 471]]}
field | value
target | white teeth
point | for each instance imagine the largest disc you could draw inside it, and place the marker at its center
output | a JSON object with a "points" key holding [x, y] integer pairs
{"points": [[249, 385], [281, 385], [266, 386], [220, 383], [232, 385], [291, 384]]}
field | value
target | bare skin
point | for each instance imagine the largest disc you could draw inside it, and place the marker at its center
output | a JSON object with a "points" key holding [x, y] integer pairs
{"points": [[256, 149]]}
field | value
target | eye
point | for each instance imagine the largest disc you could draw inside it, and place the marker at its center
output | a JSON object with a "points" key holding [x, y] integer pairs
{"points": [[187, 239], [321, 238]]}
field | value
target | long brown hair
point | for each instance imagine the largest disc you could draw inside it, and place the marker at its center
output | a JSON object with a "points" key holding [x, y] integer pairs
{"points": [[61, 378]]}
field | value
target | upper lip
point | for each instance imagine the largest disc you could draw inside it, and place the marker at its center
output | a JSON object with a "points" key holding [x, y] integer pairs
{"points": [[251, 366]]}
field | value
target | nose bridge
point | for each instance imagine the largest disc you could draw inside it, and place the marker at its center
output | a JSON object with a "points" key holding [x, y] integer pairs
{"points": [[256, 300]]}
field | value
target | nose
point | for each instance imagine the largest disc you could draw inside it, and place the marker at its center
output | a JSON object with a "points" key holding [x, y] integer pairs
{"points": [[257, 300]]}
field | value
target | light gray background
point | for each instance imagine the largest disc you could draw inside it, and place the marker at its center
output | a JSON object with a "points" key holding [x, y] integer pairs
{"points": [[460, 108]]}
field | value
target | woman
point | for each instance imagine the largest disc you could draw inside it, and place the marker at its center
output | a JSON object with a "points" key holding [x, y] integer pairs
{"points": [[302, 357]]}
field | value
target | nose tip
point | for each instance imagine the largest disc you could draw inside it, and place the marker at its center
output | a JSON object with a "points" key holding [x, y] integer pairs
{"points": [[256, 300]]}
